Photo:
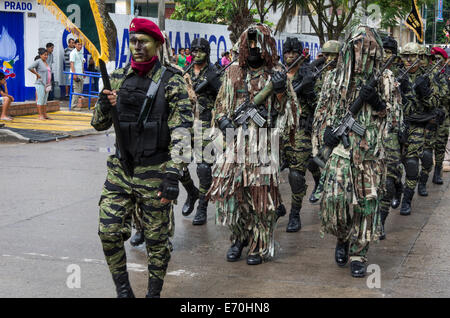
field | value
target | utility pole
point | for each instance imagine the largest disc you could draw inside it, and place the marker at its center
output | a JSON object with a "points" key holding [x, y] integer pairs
{"points": [[162, 15], [434, 21]]}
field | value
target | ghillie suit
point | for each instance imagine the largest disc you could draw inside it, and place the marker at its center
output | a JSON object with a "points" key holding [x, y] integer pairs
{"points": [[352, 180], [246, 191]]}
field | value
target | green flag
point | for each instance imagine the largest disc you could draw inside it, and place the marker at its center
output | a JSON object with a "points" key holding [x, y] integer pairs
{"points": [[90, 30]]}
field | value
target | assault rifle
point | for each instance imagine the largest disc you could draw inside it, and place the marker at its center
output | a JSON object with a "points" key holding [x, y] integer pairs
{"points": [[248, 110], [188, 69], [405, 73], [299, 86], [439, 73], [426, 75], [348, 122], [203, 84]]}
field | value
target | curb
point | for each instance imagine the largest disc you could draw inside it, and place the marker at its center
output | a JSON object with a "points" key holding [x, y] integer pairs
{"points": [[8, 136]]}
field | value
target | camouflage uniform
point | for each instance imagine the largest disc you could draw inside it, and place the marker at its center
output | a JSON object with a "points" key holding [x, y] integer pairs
{"points": [[246, 192], [354, 177], [415, 133], [121, 192]]}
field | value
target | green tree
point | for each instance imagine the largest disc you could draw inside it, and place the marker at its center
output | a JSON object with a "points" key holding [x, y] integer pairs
{"points": [[334, 16], [440, 36]]}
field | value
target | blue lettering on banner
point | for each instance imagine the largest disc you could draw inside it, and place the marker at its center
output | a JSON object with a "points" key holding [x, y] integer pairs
{"points": [[124, 52], [221, 39], [17, 5]]}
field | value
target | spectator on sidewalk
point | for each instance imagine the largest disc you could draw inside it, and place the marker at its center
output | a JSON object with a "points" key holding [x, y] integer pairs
{"points": [[188, 56], [5, 98], [76, 66], [93, 68], [50, 61], [225, 59], [181, 58], [67, 51], [42, 70]]}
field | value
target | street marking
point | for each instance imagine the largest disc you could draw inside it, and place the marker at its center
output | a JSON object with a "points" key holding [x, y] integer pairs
{"points": [[134, 267]]}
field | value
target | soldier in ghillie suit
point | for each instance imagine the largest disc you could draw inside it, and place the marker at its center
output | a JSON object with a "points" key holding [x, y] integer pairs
{"points": [[202, 72], [298, 155], [432, 126], [145, 172], [246, 177], [419, 102], [330, 54], [393, 186], [353, 177]]}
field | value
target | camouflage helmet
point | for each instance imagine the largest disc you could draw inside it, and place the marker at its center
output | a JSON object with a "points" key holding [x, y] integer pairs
{"points": [[411, 48], [201, 43], [292, 44], [331, 46]]}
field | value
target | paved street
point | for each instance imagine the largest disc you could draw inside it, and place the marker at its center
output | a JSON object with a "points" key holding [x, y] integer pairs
{"points": [[49, 193]]}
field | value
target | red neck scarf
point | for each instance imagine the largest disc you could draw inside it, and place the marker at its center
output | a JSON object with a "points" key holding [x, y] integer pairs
{"points": [[142, 68]]}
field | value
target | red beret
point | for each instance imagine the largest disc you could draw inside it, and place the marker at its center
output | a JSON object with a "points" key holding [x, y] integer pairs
{"points": [[438, 50], [146, 26]]}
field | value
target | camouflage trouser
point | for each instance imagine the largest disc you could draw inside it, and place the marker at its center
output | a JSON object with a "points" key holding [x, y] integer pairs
{"points": [[120, 196], [299, 157], [394, 166], [441, 142], [200, 141], [428, 145], [339, 183], [413, 149]]}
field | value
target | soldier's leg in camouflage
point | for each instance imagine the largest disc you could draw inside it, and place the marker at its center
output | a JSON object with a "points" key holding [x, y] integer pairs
{"points": [[298, 187], [427, 165], [414, 150], [192, 193], [114, 229], [439, 150], [386, 203], [205, 176], [315, 171], [158, 227], [138, 238], [298, 158], [239, 237], [394, 169]]}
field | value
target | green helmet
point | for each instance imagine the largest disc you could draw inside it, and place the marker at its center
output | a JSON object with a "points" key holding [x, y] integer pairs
{"points": [[411, 48], [331, 46]]}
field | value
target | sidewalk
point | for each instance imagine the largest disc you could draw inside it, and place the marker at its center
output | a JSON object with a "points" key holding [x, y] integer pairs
{"points": [[63, 123]]}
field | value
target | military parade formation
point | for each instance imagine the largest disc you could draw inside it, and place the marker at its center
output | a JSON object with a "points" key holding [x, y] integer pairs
{"points": [[369, 121]]}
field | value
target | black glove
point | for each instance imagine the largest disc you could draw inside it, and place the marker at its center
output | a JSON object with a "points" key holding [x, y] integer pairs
{"points": [[105, 104], [213, 78], [307, 86], [225, 123], [169, 186], [440, 116], [404, 86], [422, 85], [279, 82], [369, 95], [329, 138]]}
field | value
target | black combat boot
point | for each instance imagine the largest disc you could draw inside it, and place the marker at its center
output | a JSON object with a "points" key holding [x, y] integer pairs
{"points": [[341, 253], [294, 224], [192, 196], [137, 239], [235, 251], [406, 203], [280, 211], [397, 199], [154, 287], [202, 209], [422, 185], [437, 179], [383, 214], [254, 259], [123, 287], [312, 198], [357, 269]]}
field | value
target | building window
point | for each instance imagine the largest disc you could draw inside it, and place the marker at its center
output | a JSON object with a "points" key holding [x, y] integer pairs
{"points": [[147, 9]]}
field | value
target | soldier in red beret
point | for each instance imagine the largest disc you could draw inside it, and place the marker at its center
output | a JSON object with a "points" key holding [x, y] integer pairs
{"points": [[154, 114]]}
